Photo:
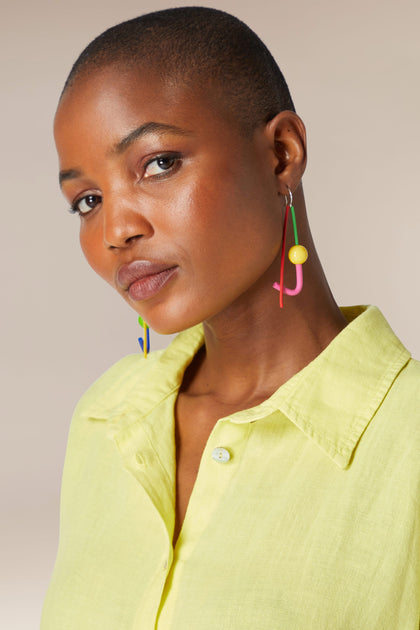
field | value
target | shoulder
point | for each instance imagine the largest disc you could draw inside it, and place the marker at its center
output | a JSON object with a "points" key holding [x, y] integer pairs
{"points": [[404, 395], [403, 403], [412, 372], [115, 384], [398, 429], [136, 383]]}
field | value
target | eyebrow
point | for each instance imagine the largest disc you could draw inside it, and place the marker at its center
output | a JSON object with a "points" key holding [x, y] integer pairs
{"points": [[122, 145], [145, 129], [70, 173]]}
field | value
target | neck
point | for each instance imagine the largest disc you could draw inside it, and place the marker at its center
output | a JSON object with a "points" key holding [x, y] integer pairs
{"points": [[253, 347]]}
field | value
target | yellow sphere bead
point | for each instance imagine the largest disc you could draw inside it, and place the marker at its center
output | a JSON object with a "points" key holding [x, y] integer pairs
{"points": [[298, 254]]}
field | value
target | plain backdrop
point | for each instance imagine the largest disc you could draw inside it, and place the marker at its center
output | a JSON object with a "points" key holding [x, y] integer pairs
{"points": [[353, 69]]}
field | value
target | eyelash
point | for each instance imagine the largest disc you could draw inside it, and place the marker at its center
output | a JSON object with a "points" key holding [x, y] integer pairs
{"points": [[174, 159], [74, 208]]}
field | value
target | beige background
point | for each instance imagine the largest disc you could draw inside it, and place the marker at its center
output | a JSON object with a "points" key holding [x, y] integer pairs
{"points": [[353, 69]]}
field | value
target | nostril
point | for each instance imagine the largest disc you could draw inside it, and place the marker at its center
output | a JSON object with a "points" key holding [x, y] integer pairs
{"points": [[121, 243], [136, 237]]}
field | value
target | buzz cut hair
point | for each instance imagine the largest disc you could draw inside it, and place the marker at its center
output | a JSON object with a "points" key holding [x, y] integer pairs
{"points": [[202, 49]]}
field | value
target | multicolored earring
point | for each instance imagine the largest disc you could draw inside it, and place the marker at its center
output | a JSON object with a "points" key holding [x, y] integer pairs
{"points": [[297, 254], [144, 341]]}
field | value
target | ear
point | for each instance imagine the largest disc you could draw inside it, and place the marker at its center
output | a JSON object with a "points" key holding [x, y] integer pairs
{"points": [[286, 135]]}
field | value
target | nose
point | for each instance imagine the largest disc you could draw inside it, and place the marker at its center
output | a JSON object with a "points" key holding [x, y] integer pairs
{"points": [[123, 222]]}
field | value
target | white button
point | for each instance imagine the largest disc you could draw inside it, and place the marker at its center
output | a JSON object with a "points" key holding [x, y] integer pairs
{"points": [[221, 454]]}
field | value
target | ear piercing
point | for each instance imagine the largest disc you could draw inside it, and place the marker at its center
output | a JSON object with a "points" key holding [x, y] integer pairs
{"points": [[297, 254]]}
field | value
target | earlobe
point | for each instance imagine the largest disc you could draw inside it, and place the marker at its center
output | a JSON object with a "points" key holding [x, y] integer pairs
{"points": [[287, 137]]}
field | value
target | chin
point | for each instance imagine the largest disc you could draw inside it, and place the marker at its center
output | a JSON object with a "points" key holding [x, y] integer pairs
{"points": [[172, 327], [163, 321]]}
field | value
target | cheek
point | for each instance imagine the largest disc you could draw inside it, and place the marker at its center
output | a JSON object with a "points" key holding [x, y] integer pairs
{"points": [[95, 253], [230, 233], [236, 218]]}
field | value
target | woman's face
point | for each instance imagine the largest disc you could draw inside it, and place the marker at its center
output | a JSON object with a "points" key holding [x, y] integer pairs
{"points": [[178, 211]]}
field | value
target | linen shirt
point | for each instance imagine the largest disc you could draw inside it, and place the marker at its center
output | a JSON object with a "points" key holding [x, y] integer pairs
{"points": [[304, 515]]}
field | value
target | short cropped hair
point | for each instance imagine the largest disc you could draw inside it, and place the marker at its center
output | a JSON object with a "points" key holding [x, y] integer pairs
{"points": [[201, 48]]}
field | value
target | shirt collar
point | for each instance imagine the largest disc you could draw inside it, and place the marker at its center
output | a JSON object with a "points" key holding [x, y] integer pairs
{"points": [[332, 400]]}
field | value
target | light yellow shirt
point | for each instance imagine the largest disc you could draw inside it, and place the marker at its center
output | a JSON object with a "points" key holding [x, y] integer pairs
{"points": [[304, 515]]}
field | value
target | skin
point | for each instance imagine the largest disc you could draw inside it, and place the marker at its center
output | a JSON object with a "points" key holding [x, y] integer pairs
{"points": [[215, 212]]}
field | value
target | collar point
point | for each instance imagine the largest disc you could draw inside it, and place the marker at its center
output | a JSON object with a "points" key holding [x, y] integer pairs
{"points": [[342, 460]]}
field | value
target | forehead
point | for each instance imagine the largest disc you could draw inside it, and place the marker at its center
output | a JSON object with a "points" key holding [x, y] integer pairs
{"points": [[113, 100]]}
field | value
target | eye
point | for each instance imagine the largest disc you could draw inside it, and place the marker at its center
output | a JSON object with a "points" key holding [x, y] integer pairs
{"points": [[161, 165], [85, 204]]}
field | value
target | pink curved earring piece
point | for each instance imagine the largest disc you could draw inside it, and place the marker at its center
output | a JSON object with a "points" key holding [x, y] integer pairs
{"points": [[297, 255], [299, 283]]}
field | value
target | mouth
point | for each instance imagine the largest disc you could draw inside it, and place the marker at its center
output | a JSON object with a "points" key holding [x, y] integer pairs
{"points": [[143, 279]]}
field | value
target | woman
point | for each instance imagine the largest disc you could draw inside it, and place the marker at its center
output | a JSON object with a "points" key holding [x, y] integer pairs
{"points": [[263, 471]]}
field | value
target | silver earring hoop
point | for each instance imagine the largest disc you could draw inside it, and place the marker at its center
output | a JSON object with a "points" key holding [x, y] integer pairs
{"points": [[289, 202]]}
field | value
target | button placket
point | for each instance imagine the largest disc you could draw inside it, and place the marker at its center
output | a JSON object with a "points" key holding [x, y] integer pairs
{"points": [[219, 462]]}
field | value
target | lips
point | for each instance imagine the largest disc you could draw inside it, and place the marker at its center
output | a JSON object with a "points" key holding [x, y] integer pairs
{"points": [[144, 279]]}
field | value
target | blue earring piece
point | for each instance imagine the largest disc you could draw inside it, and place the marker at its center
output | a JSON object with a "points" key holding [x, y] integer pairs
{"points": [[145, 348]]}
